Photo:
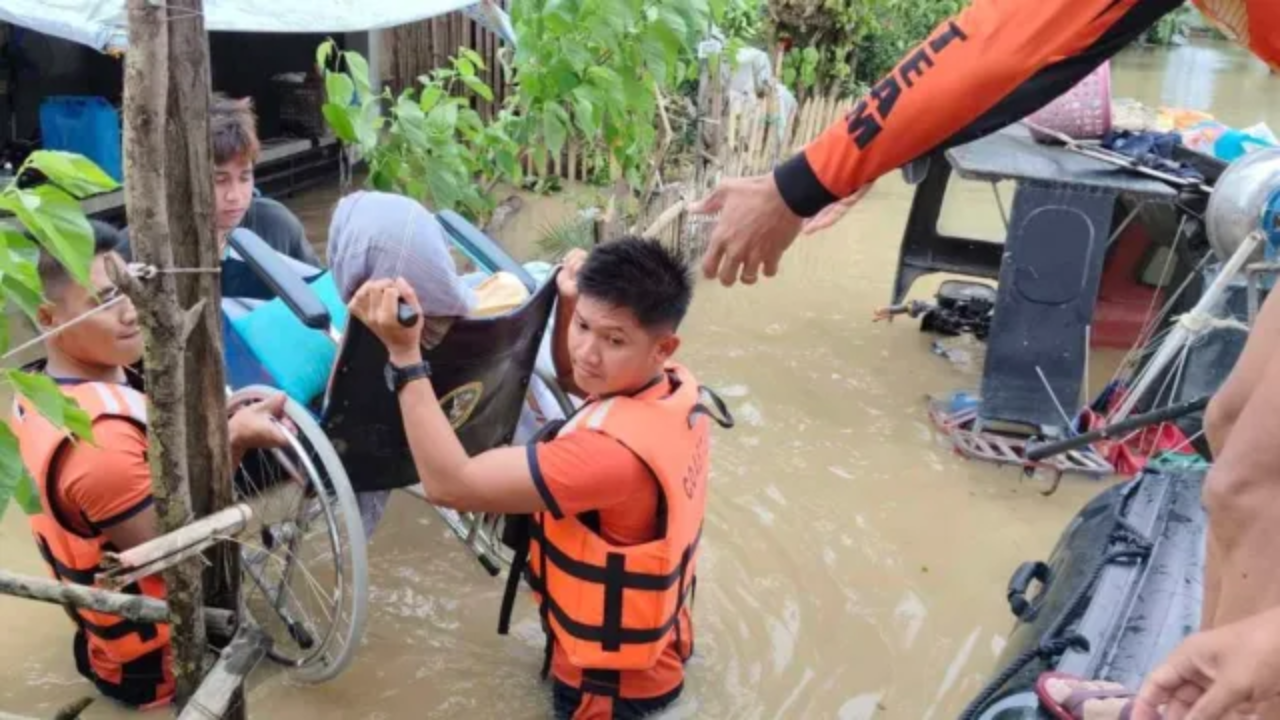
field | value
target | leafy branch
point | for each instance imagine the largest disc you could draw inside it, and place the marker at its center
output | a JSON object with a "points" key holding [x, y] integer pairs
{"points": [[50, 213], [427, 142]]}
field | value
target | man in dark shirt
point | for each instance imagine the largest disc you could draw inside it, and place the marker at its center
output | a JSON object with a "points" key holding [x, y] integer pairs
{"points": [[235, 151]]}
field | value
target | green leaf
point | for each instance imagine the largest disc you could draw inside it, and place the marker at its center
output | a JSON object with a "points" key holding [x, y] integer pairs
{"points": [[42, 392], [554, 129], [339, 88], [576, 53], [4, 323], [654, 52], [15, 481], [470, 120], [478, 87], [465, 68], [473, 57], [27, 299], [19, 256], [443, 119], [323, 52], [76, 174], [411, 120], [340, 122], [430, 97], [584, 111], [58, 223], [506, 160], [359, 68]]}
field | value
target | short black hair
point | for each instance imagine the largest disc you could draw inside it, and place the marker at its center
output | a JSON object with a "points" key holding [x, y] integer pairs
{"points": [[642, 276], [53, 276]]}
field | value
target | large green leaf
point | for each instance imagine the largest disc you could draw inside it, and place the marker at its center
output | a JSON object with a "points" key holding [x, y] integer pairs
{"points": [[359, 68], [18, 260], [584, 110], [554, 129], [339, 88], [577, 54], [58, 223], [76, 174], [49, 401], [411, 120], [340, 122], [15, 482], [655, 54], [442, 119], [323, 52], [431, 96], [472, 56], [478, 87], [22, 295], [368, 122]]}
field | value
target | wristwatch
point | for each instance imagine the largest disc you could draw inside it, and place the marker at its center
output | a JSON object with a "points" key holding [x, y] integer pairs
{"points": [[398, 377]]}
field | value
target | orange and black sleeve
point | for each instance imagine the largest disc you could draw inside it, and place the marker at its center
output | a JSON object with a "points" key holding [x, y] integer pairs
{"points": [[993, 64]]}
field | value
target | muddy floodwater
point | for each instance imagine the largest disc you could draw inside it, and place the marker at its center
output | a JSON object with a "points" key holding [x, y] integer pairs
{"points": [[853, 566]]}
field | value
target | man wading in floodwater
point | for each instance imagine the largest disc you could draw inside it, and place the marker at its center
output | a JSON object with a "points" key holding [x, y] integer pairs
{"points": [[993, 64], [96, 497], [617, 494]]}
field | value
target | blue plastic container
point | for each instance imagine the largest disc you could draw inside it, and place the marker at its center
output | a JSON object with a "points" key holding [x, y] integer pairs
{"points": [[86, 125], [1233, 144]]}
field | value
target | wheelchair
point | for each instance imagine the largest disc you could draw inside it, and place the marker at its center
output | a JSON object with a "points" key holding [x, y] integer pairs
{"points": [[304, 560]]}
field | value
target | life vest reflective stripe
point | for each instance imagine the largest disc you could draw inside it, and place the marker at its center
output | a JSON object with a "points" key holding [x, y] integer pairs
{"points": [[613, 608], [73, 549]]}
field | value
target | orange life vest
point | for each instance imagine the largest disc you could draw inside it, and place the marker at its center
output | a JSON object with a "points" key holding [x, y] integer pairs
{"points": [[1253, 23], [610, 607], [127, 659]]}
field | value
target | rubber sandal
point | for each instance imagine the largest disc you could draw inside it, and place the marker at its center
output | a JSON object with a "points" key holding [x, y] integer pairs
{"points": [[1071, 708]]}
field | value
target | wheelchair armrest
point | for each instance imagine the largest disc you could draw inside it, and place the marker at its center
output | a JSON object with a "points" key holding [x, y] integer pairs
{"points": [[300, 297], [479, 245]]}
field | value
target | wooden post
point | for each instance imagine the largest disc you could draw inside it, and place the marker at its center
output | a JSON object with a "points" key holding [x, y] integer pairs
{"points": [[146, 117], [189, 163]]}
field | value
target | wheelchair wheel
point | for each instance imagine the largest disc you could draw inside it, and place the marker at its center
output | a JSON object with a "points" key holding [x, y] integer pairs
{"points": [[304, 564]]}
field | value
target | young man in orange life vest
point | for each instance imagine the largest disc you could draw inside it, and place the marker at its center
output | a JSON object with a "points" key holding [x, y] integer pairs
{"points": [[96, 497], [617, 497]]}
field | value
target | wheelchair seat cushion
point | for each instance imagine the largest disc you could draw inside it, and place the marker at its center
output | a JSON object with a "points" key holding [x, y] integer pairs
{"points": [[298, 359]]}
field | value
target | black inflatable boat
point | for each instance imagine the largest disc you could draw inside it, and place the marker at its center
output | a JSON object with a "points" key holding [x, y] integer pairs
{"points": [[1122, 588]]}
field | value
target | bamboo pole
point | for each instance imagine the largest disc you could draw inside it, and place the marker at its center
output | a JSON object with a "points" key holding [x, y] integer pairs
{"points": [[665, 219], [225, 522], [138, 608]]}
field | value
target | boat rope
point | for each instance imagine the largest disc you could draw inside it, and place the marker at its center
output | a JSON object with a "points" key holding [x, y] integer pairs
{"points": [[1200, 322], [140, 271]]}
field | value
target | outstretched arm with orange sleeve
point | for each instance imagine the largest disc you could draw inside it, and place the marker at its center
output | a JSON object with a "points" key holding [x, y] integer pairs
{"points": [[991, 65]]}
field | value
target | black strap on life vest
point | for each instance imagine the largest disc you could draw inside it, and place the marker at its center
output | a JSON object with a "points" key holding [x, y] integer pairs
{"points": [[146, 632], [516, 534], [545, 605], [603, 683], [724, 419]]}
